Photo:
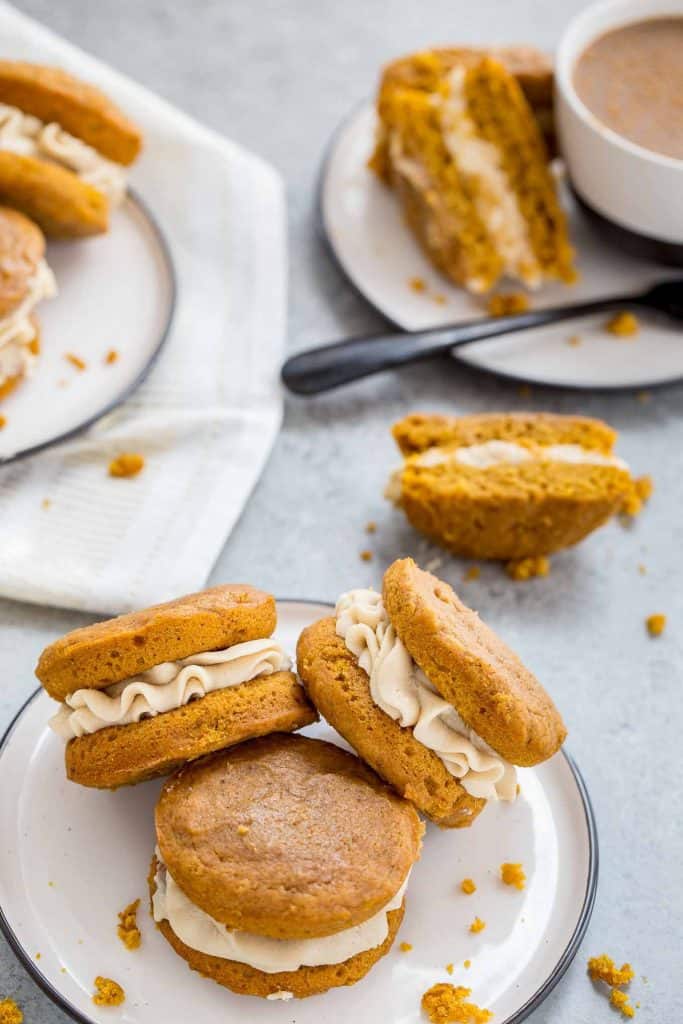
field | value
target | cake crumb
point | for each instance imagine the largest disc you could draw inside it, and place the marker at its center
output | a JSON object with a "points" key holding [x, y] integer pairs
{"points": [[242, 830], [111, 356], [126, 464], [444, 1003], [107, 992], [38, 956], [418, 284], [473, 573], [477, 925], [3, 422], [76, 361], [513, 874], [508, 303], [45, 503], [620, 1001], [467, 886], [623, 325], [656, 624], [127, 929], [10, 1012], [366, 556], [521, 569], [406, 947], [439, 299], [603, 968], [574, 340], [642, 569], [467, 964], [449, 968], [371, 527]]}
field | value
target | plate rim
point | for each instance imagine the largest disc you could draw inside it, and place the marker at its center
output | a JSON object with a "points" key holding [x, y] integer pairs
{"points": [[534, 1001], [169, 265], [320, 227]]}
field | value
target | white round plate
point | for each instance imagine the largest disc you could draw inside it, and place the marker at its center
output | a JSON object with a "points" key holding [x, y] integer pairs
{"points": [[361, 220], [71, 858], [116, 291]]}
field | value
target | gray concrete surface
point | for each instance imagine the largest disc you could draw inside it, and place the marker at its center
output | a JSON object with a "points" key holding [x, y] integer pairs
{"points": [[277, 76]]}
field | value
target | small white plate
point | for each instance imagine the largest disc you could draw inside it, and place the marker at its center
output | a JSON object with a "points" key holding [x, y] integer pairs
{"points": [[362, 222], [116, 291], [71, 858]]}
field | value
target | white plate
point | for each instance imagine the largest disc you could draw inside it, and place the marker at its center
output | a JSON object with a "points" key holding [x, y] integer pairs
{"points": [[71, 858], [362, 222], [116, 291]]}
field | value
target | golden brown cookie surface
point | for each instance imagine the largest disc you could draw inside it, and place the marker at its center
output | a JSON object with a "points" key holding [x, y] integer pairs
{"points": [[82, 110], [127, 754], [59, 201], [340, 689], [471, 667], [22, 247], [307, 981], [286, 836], [108, 652]]}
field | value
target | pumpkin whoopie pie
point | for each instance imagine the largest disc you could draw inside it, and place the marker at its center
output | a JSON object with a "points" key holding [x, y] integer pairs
{"points": [[281, 866], [25, 280], [428, 695], [64, 149], [509, 485], [144, 693]]}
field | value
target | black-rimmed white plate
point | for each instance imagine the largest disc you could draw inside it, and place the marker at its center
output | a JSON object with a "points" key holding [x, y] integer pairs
{"points": [[71, 858], [361, 220], [116, 293]]}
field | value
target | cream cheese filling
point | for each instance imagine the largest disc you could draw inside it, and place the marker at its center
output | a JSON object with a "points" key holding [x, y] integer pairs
{"points": [[29, 136], [166, 687], [201, 932], [495, 201], [401, 689], [16, 330]]}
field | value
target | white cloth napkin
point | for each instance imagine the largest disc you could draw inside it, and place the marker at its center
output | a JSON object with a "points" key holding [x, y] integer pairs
{"points": [[208, 414]]}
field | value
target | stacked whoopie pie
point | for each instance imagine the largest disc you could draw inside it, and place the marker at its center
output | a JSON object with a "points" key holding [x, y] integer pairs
{"points": [[64, 149], [428, 695], [25, 280]]}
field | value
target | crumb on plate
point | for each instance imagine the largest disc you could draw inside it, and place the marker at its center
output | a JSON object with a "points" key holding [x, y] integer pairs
{"points": [[507, 303], [513, 874], [656, 624], [623, 325], [371, 527], [127, 929], [111, 356], [3, 422], [574, 340], [522, 569], [439, 299], [418, 284], [126, 464], [107, 992], [366, 556], [467, 964], [76, 361], [473, 573], [445, 1002], [477, 925], [449, 968], [467, 886]]}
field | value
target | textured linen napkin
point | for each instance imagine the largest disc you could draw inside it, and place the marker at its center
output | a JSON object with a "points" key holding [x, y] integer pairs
{"points": [[208, 414]]}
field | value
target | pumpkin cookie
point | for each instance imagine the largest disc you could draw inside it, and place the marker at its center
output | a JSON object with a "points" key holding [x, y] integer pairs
{"points": [[144, 693], [508, 485], [64, 149], [281, 866], [25, 280], [428, 695]]}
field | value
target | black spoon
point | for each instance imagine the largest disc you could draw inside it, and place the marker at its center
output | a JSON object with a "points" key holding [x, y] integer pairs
{"points": [[327, 367]]}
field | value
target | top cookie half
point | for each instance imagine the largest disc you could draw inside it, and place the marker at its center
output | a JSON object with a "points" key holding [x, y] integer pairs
{"points": [[97, 656]]}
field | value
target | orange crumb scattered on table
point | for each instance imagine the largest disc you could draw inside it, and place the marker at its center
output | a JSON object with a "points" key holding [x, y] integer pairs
{"points": [[656, 624], [477, 925], [620, 1001], [418, 284], [513, 874], [107, 992], [405, 947], [473, 573], [521, 569], [126, 464], [507, 303], [371, 527], [366, 556], [127, 929], [444, 1003], [603, 968], [10, 1012], [467, 886], [111, 356], [76, 361], [449, 968], [623, 325], [575, 340]]}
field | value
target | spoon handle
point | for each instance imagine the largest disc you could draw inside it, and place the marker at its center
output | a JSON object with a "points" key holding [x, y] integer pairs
{"points": [[329, 366]]}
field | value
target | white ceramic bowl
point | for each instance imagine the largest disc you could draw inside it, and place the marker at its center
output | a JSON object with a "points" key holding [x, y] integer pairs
{"points": [[633, 188]]}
